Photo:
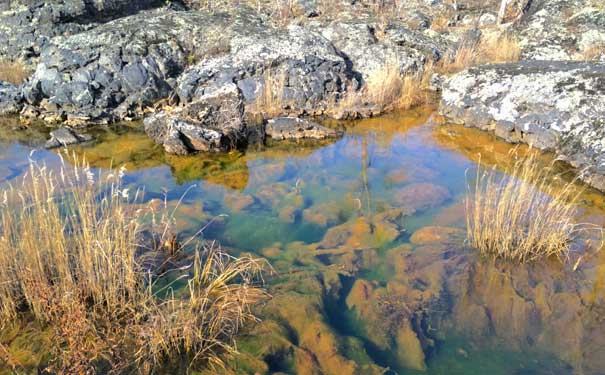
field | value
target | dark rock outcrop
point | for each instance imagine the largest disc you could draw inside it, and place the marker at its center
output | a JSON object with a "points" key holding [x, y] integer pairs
{"points": [[109, 60], [555, 106], [27, 26], [114, 71]]}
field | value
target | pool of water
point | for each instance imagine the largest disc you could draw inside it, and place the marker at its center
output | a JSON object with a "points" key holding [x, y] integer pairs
{"points": [[366, 236]]}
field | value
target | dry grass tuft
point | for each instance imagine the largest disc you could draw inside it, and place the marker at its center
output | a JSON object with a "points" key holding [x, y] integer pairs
{"points": [[500, 50], [73, 257], [488, 50], [442, 22], [13, 72], [389, 89], [594, 52], [521, 217]]}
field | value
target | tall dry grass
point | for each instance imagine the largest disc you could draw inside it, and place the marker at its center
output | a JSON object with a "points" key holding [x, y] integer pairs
{"points": [[389, 89], [73, 258], [14, 72], [521, 217], [500, 49]]}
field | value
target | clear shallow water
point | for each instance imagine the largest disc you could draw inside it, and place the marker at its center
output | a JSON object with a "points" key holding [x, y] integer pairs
{"points": [[366, 236]]}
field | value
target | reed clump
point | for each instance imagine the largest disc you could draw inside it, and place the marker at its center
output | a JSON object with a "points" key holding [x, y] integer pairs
{"points": [[521, 217], [73, 258]]}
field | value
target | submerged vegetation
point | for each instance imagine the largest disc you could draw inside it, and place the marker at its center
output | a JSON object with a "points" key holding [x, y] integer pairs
{"points": [[521, 217], [101, 273]]}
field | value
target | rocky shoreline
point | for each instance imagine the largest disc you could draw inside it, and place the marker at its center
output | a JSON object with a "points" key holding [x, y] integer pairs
{"points": [[554, 106], [202, 77]]}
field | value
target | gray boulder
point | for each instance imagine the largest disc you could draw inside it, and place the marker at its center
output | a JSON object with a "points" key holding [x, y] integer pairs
{"points": [[367, 54], [560, 29], [554, 106], [279, 71], [292, 128], [214, 122], [114, 71], [10, 99]]}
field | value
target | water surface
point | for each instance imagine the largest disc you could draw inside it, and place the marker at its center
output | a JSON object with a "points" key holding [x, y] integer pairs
{"points": [[366, 234]]}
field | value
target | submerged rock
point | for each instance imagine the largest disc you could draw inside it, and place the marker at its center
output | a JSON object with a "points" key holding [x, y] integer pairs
{"points": [[409, 349], [295, 331], [287, 128], [554, 106], [435, 234], [65, 136], [421, 196]]}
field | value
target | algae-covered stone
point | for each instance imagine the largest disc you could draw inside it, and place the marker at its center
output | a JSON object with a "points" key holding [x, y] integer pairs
{"points": [[435, 234], [324, 214], [421, 196], [299, 305], [409, 349]]}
